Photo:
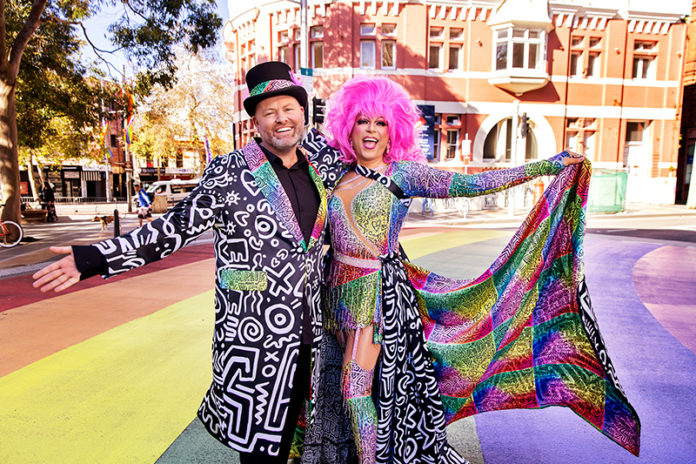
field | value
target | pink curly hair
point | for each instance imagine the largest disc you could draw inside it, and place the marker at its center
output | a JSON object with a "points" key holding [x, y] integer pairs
{"points": [[373, 97]]}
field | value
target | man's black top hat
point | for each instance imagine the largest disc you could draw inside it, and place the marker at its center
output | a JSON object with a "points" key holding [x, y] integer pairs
{"points": [[270, 79]]}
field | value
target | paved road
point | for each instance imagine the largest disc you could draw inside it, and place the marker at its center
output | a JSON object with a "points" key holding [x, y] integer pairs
{"points": [[113, 371]]}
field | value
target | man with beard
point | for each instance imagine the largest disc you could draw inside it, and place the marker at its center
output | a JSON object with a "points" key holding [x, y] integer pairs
{"points": [[267, 206]]}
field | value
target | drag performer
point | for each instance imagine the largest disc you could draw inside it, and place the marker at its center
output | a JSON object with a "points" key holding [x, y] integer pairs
{"points": [[432, 369], [266, 204]]}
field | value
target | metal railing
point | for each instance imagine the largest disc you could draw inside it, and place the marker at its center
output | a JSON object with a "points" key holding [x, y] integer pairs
{"points": [[76, 200]]}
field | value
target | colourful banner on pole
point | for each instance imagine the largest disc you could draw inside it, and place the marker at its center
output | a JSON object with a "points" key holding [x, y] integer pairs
{"points": [[129, 130]]}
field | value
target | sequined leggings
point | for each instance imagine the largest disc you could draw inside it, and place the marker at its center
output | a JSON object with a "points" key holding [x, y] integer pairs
{"points": [[357, 392]]}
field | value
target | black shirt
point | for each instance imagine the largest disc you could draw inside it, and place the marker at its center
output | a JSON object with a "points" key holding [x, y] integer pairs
{"points": [[299, 188]]}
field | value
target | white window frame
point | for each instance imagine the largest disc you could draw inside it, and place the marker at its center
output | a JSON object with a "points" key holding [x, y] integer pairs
{"points": [[284, 57], [393, 45], [461, 33], [296, 57], [454, 146], [594, 58], [389, 34], [316, 32], [368, 29], [449, 58], [439, 55], [577, 72], [509, 40], [364, 49], [436, 32], [313, 48], [436, 144], [640, 72]]}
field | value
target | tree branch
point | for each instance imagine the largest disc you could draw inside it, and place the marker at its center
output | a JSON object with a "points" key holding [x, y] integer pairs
{"points": [[97, 51], [130, 7], [22, 39]]}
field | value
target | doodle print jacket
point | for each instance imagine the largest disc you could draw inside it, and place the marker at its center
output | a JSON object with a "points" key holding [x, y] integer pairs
{"points": [[264, 269]]}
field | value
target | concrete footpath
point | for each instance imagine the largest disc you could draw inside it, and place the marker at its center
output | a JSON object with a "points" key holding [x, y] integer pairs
{"points": [[80, 229]]}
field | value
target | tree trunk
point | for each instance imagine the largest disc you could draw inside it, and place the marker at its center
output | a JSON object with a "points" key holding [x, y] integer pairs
{"points": [[32, 182], [9, 162], [39, 169]]}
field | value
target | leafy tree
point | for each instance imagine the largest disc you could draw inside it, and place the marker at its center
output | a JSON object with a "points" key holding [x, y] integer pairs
{"points": [[197, 105], [39, 40]]}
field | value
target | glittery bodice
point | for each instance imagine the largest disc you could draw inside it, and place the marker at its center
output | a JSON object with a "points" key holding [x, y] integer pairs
{"points": [[365, 219], [367, 224]]}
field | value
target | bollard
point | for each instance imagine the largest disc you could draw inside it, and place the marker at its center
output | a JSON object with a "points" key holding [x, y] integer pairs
{"points": [[117, 224]]}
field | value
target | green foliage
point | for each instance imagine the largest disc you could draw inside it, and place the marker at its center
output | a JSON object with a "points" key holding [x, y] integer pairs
{"points": [[53, 93], [197, 104], [60, 101], [149, 29]]}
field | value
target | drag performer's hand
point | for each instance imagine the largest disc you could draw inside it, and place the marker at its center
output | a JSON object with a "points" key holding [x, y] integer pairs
{"points": [[59, 275], [574, 158]]}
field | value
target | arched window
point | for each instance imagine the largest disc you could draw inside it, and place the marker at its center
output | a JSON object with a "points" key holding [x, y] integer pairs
{"points": [[500, 139], [498, 146]]}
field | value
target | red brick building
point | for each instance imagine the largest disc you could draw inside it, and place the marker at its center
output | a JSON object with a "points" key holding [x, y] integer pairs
{"points": [[507, 81]]}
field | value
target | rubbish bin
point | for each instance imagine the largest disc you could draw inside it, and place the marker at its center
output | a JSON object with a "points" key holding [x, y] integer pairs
{"points": [[607, 191], [159, 204]]}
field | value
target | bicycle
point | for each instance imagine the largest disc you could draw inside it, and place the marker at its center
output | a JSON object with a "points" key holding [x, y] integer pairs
{"points": [[11, 233]]}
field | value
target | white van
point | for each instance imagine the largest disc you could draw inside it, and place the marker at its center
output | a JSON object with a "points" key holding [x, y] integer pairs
{"points": [[175, 189]]}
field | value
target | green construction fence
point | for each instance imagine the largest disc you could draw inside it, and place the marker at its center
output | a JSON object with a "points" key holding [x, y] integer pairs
{"points": [[607, 191]]}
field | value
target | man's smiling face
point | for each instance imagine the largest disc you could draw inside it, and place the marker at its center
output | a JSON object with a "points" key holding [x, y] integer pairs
{"points": [[279, 121]]}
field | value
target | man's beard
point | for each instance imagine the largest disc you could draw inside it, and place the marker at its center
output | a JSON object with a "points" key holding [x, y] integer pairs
{"points": [[283, 145]]}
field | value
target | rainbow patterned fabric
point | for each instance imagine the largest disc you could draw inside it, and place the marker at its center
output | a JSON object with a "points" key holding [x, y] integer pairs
{"points": [[523, 334], [270, 86]]}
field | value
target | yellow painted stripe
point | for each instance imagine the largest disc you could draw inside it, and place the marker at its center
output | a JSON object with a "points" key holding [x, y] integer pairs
{"points": [[120, 397], [424, 245]]}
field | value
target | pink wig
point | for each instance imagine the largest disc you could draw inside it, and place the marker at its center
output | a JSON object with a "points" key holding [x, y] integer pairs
{"points": [[373, 97]]}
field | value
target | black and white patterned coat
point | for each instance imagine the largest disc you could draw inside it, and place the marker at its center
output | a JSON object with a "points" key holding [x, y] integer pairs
{"points": [[263, 271]]}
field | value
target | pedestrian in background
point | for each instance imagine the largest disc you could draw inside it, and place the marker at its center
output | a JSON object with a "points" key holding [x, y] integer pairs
{"points": [[144, 205], [48, 202]]}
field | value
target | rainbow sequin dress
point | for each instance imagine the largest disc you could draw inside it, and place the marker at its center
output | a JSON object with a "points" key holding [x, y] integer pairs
{"points": [[453, 348], [365, 220]]}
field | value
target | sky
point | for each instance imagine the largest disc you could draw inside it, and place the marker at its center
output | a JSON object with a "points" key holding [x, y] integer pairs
{"points": [[97, 27]]}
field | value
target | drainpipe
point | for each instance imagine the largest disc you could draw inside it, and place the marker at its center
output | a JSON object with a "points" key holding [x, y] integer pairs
{"points": [[619, 148], [567, 84], [513, 155]]}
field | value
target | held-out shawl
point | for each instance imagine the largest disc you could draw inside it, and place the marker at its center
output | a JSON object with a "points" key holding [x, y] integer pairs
{"points": [[523, 334]]}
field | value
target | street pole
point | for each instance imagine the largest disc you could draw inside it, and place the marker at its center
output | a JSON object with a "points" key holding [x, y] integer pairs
{"points": [[129, 161], [109, 189], [513, 155], [304, 46], [129, 179]]}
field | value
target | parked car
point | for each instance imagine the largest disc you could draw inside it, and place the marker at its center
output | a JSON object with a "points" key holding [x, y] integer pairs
{"points": [[175, 189]]}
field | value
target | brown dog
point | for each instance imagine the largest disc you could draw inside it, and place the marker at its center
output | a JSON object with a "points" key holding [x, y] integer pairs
{"points": [[105, 221]]}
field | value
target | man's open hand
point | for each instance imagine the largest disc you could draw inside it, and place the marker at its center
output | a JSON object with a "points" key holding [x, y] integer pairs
{"points": [[59, 275]]}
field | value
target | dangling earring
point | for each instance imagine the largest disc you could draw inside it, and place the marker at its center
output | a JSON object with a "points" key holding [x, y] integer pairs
{"points": [[388, 148]]}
